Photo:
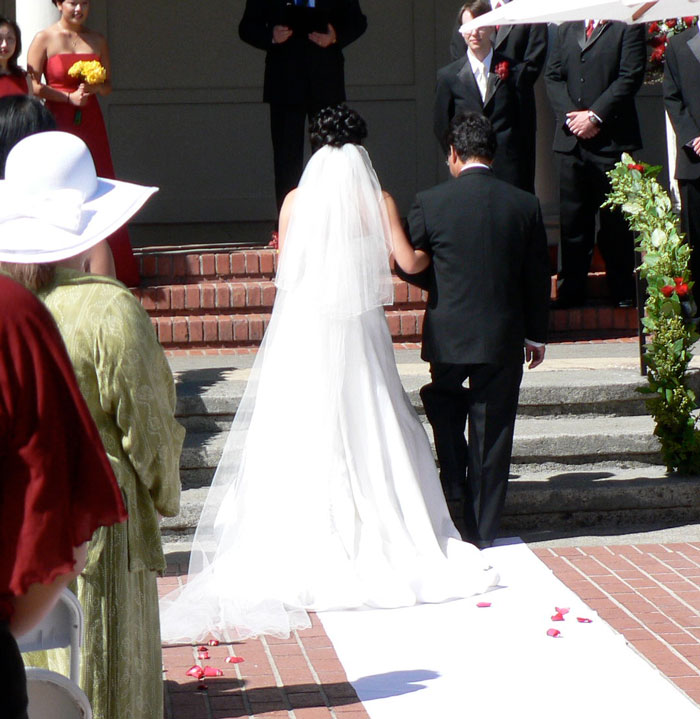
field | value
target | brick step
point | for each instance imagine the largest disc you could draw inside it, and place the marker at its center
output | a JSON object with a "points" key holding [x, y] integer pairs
{"points": [[239, 297], [246, 330]]}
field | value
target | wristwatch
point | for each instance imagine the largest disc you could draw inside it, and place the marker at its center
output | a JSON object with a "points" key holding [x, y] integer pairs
{"points": [[593, 118]]}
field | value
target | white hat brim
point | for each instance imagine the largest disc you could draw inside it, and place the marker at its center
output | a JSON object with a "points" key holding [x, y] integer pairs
{"points": [[33, 241]]}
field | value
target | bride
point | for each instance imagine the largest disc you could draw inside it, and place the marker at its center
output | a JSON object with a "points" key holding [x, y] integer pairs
{"points": [[327, 496]]}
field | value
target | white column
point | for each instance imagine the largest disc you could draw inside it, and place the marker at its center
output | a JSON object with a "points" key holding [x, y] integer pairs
{"points": [[32, 16]]}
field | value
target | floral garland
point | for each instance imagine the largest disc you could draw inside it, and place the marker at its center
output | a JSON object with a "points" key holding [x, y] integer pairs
{"points": [[659, 34], [669, 307]]}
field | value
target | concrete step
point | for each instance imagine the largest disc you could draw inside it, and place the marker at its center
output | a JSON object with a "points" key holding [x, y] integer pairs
{"points": [[590, 496], [563, 441]]}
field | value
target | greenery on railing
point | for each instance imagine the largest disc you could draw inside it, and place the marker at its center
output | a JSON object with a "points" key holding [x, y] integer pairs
{"points": [[670, 309]]}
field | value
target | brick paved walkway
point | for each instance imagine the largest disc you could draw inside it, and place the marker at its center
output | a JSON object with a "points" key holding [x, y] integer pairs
{"points": [[649, 593]]}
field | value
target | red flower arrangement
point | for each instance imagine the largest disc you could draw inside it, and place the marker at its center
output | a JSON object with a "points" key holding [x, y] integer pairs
{"points": [[681, 288], [502, 69], [636, 167], [658, 37]]}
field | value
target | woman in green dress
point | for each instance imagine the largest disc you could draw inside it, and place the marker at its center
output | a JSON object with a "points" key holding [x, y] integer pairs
{"points": [[128, 386]]}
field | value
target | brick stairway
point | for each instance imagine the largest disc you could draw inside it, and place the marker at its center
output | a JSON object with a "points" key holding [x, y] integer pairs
{"points": [[223, 297]]}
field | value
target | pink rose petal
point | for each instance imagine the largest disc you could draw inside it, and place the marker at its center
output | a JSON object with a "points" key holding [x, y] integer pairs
{"points": [[234, 660], [212, 672], [558, 617], [213, 642], [195, 671], [201, 648], [553, 633], [202, 655], [562, 610], [584, 620], [483, 605]]}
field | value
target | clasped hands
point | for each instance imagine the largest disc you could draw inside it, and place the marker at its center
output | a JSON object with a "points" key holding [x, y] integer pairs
{"points": [[580, 124], [282, 33]]}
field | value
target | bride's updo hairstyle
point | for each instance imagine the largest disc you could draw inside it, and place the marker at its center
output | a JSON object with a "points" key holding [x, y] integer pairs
{"points": [[336, 126]]}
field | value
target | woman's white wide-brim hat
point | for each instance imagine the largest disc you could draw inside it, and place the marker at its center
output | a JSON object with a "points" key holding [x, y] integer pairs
{"points": [[52, 204]]}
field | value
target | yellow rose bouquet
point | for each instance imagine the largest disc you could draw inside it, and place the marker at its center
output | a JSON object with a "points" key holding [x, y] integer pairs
{"points": [[91, 72]]}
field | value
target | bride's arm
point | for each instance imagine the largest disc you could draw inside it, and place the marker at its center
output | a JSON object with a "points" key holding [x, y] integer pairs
{"points": [[409, 259], [285, 214]]}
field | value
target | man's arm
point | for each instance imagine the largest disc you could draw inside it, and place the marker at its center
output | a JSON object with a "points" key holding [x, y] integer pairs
{"points": [[349, 22], [535, 53], [443, 109], [254, 28], [418, 237], [684, 124], [630, 76], [536, 281], [555, 81]]}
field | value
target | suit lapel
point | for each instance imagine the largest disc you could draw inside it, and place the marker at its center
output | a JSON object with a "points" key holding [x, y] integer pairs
{"points": [[597, 32], [466, 77], [493, 80], [694, 45], [502, 35]]}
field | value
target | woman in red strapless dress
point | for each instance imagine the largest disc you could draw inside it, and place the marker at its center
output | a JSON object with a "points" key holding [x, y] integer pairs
{"points": [[13, 81], [75, 106]]}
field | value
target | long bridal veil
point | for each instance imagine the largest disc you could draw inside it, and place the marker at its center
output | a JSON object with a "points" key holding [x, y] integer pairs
{"points": [[326, 495]]}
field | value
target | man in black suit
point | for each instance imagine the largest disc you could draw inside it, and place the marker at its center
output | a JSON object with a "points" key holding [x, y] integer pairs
{"points": [[594, 72], [488, 285], [682, 100], [527, 46], [303, 69], [486, 81]]}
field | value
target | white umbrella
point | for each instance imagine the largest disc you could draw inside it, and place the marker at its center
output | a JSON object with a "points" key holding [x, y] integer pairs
{"points": [[525, 12]]}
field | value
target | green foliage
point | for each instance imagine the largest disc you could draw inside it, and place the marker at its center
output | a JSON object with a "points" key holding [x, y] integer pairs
{"points": [[669, 309]]}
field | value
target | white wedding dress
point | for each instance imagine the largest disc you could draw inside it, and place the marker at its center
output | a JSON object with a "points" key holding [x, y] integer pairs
{"points": [[327, 496]]}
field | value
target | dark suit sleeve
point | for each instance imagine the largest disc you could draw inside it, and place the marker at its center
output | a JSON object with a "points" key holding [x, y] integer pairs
{"points": [[630, 76], [418, 236], [254, 28], [535, 53], [684, 123], [443, 109], [349, 23], [555, 81], [536, 281]]}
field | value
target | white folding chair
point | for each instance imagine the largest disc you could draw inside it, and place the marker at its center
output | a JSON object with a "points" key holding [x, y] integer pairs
{"points": [[51, 695]]}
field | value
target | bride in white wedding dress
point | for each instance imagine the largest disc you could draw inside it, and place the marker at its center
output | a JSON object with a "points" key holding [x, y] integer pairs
{"points": [[327, 496]]}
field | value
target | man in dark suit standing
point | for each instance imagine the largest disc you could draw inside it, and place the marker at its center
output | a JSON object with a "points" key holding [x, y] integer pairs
{"points": [[594, 72], [488, 285], [682, 100], [303, 69], [486, 81], [527, 46]]}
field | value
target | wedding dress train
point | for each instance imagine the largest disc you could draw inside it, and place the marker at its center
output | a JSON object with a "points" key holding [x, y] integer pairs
{"points": [[327, 496]]}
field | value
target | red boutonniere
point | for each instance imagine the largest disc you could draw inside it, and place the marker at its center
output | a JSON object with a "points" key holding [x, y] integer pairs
{"points": [[502, 69]]}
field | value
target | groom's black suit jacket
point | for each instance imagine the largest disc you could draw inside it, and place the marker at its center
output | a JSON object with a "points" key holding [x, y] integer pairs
{"points": [[299, 72], [488, 280], [682, 98], [456, 91]]}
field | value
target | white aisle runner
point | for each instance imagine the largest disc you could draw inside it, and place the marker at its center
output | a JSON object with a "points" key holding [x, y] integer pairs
{"points": [[458, 661]]}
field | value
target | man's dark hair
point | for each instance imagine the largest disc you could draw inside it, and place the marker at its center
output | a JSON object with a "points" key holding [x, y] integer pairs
{"points": [[475, 7], [472, 135]]}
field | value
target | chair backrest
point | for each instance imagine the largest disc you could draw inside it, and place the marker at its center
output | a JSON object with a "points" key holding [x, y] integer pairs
{"points": [[53, 696], [61, 627]]}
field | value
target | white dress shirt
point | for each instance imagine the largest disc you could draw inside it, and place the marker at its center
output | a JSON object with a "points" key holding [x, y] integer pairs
{"points": [[480, 70]]}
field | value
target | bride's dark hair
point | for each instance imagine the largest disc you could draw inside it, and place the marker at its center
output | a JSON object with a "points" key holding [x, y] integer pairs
{"points": [[336, 126]]}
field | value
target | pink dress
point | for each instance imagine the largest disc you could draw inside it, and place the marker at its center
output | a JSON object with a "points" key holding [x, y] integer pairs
{"points": [[87, 123]]}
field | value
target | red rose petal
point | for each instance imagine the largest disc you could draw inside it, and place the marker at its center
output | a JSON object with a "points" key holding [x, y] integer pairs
{"points": [[562, 610], [558, 617], [584, 620], [483, 605], [195, 671], [201, 648], [234, 660], [201, 686], [213, 672], [213, 642], [202, 655], [553, 633]]}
